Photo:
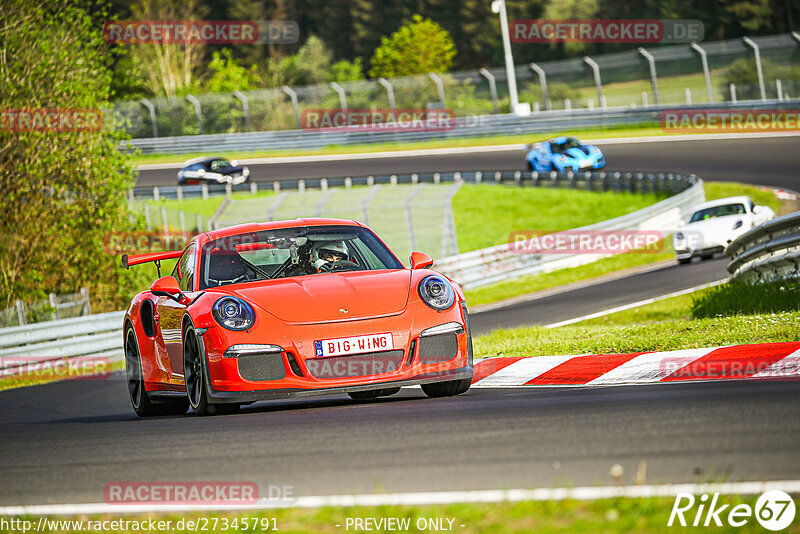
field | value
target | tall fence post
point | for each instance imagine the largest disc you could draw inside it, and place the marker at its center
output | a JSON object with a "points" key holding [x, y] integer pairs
{"points": [[293, 96], [596, 71], [706, 74], [389, 92], [245, 108], [653, 77], [733, 92], [147, 215], [779, 89], [412, 240], [342, 97], [198, 111], [542, 83], [757, 53], [492, 87], [152, 109], [87, 305], [439, 86], [20, 312]]}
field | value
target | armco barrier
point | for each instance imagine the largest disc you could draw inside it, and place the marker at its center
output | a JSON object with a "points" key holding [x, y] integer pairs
{"points": [[97, 335], [478, 126], [499, 263], [767, 252]]}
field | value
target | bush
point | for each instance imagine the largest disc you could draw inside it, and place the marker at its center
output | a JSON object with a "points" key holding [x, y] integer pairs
{"points": [[743, 74], [742, 298]]}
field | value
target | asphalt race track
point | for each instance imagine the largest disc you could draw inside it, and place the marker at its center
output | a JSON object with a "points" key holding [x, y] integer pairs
{"points": [[63, 443], [763, 161]]}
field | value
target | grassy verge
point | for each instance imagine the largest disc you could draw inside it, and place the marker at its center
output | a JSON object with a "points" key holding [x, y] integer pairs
{"points": [[735, 298], [670, 334], [616, 515], [647, 130], [530, 284], [486, 214]]}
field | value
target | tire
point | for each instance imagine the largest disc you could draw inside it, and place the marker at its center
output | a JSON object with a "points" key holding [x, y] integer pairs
{"points": [[194, 371], [372, 394], [447, 389], [530, 166], [684, 261], [705, 257], [140, 400]]}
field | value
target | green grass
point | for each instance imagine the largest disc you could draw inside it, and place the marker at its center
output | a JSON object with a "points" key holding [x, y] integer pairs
{"points": [[486, 214], [530, 284], [671, 334], [605, 133], [618, 515], [736, 298], [671, 309], [761, 195]]}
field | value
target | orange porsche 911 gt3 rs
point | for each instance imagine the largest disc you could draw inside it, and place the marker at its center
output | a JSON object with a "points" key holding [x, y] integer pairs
{"points": [[292, 308]]}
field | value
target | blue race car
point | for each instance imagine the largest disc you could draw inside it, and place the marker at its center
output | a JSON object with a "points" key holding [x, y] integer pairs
{"points": [[563, 154]]}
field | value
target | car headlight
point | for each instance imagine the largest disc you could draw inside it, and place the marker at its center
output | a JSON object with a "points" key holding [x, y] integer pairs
{"points": [[679, 236], [738, 224], [246, 171], [233, 313], [436, 292]]}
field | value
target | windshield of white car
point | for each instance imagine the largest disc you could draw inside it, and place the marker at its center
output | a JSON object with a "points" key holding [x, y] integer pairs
{"points": [[718, 211], [289, 252]]}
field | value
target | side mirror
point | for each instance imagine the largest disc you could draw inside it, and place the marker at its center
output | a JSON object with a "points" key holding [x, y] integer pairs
{"points": [[756, 209], [167, 286], [420, 260], [234, 163]]}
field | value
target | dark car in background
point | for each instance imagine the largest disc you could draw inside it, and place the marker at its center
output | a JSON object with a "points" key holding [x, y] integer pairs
{"points": [[214, 170]]}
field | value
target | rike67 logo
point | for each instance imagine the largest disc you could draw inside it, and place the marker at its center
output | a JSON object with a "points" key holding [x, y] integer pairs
{"points": [[774, 510]]}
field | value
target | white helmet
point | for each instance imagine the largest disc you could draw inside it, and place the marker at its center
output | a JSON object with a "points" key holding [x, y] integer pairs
{"points": [[322, 250]]}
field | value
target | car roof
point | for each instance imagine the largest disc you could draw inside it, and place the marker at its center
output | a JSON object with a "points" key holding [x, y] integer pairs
{"points": [[201, 159], [275, 225], [723, 201]]}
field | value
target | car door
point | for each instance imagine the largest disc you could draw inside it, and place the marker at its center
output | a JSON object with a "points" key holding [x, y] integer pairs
{"points": [[170, 313]]}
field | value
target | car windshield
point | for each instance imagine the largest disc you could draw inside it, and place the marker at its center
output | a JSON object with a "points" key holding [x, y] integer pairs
{"points": [[718, 211], [288, 252], [218, 164], [560, 148]]}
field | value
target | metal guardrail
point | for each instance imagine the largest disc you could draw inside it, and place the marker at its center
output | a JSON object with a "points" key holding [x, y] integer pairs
{"points": [[98, 335], [590, 180], [478, 126], [768, 251], [500, 263]]}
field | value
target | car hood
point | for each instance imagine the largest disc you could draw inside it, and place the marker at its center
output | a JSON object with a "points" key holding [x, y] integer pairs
{"points": [[330, 297], [578, 153], [716, 225]]}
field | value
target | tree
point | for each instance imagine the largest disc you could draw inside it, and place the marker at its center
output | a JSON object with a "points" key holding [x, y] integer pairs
{"points": [[63, 191], [168, 68], [346, 71], [228, 76], [419, 46]]}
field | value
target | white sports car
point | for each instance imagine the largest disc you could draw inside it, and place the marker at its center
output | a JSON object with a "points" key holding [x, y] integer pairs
{"points": [[715, 224]]}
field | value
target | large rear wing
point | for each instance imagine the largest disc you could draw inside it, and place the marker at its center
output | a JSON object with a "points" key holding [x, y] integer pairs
{"points": [[137, 259]]}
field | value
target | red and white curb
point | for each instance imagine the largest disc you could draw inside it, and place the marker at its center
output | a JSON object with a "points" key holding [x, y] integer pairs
{"points": [[737, 362]]}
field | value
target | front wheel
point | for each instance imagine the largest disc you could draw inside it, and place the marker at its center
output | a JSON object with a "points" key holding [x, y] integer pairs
{"points": [[684, 261], [195, 377], [447, 389]]}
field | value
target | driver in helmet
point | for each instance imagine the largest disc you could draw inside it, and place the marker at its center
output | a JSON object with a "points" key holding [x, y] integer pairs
{"points": [[325, 253]]}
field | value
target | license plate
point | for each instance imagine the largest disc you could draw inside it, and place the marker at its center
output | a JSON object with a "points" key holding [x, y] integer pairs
{"points": [[342, 346]]}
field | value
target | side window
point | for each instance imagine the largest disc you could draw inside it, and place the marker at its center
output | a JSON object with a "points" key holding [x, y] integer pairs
{"points": [[184, 269]]}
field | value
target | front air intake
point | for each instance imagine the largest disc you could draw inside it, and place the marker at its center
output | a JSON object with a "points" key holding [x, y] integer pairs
{"points": [[437, 349], [262, 366]]}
